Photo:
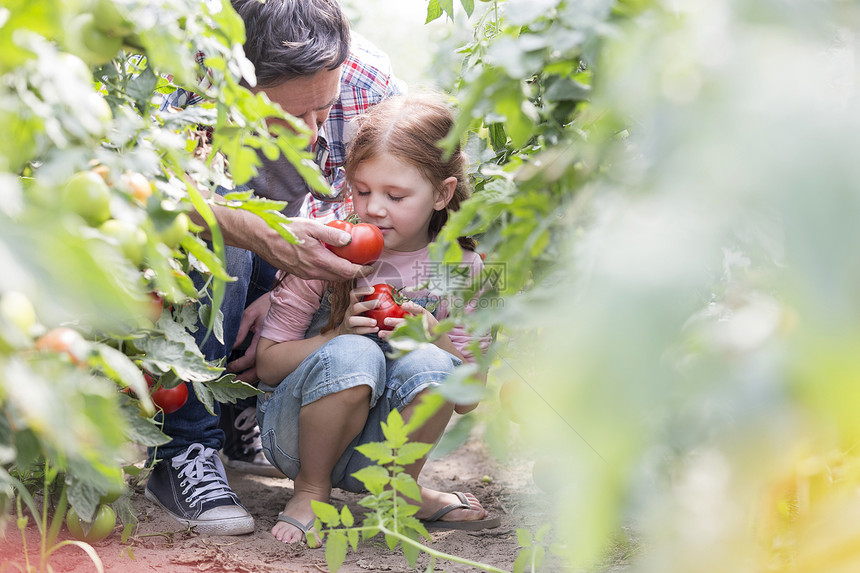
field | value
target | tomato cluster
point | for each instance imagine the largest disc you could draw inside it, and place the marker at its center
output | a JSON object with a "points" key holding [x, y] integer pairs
{"points": [[366, 244]]}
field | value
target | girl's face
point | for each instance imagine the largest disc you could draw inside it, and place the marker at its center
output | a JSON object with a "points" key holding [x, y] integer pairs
{"points": [[393, 195]]}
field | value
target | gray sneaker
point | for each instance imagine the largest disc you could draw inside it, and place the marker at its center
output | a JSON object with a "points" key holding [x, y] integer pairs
{"points": [[243, 451], [192, 488]]}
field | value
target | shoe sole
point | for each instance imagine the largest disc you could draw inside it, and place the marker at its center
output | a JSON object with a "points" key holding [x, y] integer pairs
{"points": [[231, 526], [267, 470]]}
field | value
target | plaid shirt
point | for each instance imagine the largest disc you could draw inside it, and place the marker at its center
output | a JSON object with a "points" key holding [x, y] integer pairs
{"points": [[366, 79]]}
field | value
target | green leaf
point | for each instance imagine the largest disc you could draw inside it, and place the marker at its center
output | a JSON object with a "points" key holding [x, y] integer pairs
{"points": [[425, 409], [140, 88], [217, 239], [454, 436], [391, 541], [27, 449], [377, 452], [411, 552], [434, 11], [353, 537], [174, 348], [229, 389], [346, 517], [205, 396], [142, 430], [394, 430], [194, 245], [411, 452], [542, 531], [374, 478], [468, 6], [326, 512], [524, 538], [448, 7], [335, 550], [120, 368], [406, 484]]}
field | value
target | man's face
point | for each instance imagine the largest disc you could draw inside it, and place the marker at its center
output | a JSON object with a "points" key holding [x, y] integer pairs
{"points": [[309, 98]]}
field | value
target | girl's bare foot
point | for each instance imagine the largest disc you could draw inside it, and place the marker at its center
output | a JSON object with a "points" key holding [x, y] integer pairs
{"points": [[299, 508], [432, 501]]}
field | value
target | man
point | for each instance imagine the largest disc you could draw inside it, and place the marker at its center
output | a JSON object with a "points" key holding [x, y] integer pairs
{"points": [[298, 48], [366, 79]]}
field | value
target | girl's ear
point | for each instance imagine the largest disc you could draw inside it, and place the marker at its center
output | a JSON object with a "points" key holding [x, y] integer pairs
{"points": [[446, 193]]}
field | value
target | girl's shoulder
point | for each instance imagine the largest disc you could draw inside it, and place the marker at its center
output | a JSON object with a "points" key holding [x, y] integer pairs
{"points": [[290, 286]]}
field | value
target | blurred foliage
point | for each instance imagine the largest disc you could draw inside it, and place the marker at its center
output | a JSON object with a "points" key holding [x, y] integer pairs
{"points": [[670, 190], [96, 247]]}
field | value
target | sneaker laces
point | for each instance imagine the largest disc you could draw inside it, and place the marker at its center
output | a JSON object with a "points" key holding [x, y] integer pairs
{"points": [[246, 422], [200, 474]]}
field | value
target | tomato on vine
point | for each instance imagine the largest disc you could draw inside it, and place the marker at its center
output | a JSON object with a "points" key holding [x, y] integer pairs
{"points": [[99, 528], [366, 244], [168, 399], [390, 301], [62, 340]]}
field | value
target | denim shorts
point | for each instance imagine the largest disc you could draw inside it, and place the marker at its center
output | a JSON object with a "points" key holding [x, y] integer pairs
{"points": [[345, 362]]}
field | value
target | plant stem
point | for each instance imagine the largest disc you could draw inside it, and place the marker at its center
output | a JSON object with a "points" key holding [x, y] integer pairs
{"points": [[440, 554], [22, 528]]}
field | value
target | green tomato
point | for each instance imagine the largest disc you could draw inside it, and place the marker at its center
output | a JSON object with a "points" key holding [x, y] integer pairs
{"points": [[131, 238], [17, 309], [84, 39], [87, 195], [173, 234], [113, 493], [102, 526], [108, 19]]}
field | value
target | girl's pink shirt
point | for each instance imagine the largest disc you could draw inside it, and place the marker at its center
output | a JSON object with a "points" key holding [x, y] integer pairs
{"points": [[295, 300]]}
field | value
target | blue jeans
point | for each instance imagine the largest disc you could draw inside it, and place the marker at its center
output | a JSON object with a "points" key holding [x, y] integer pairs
{"points": [[345, 362], [192, 423]]}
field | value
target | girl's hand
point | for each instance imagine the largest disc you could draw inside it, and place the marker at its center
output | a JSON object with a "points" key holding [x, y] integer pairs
{"points": [[414, 309], [353, 321]]}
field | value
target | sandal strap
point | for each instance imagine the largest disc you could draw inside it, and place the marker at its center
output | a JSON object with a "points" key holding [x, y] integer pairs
{"points": [[464, 504], [295, 522]]}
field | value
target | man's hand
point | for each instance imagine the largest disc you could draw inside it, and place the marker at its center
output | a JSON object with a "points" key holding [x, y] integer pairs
{"points": [[252, 321], [311, 259], [308, 259]]}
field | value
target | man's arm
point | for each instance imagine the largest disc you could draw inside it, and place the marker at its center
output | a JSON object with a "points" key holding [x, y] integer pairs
{"points": [[307, 259]]}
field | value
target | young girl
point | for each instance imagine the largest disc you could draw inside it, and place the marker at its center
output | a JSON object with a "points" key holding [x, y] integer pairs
{"points": [[334, 384]]}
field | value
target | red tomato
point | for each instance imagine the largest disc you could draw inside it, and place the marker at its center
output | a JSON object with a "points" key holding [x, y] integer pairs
{"points": [[171, 399], [389, 305], [366, 245], [168, 399], [62, 340], [156, 305]]}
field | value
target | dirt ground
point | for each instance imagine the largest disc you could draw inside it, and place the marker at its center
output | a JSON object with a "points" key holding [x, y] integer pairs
{"points": [[160, 545]]}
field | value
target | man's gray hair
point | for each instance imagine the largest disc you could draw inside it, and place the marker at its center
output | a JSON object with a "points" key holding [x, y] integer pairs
{"points": [[285, 39]]}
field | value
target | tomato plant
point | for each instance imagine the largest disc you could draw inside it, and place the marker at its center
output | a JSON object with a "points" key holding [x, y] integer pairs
{"points": [[366, 244], [99, 528], [390, 300]]}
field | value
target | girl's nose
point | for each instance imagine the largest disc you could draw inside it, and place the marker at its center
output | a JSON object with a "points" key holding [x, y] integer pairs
{"points": [[375, 207]]}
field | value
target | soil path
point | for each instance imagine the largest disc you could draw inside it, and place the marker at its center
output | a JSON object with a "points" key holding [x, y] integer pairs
{"points": [[161, 546]]}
